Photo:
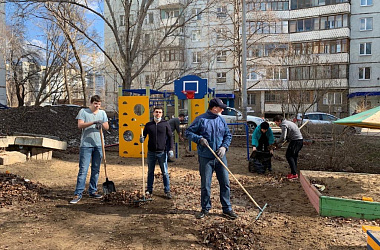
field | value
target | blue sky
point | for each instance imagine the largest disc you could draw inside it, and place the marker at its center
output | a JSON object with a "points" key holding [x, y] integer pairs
{"points": [[34, 32]]}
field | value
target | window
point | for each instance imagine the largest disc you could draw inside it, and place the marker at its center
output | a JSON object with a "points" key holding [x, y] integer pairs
{"points": [[220, 34], [271, 97], [170, 13], [221, 11], [327, 117], [221, 56], [197, 57], [197, 14], [366, 23], [122, 20], [365, 2], [330, 99], [365, 73], [276, 73], [195, 35], [170, 55], [365, 48], [221, 77], [147, 39], [149, 18], [301, 4], [251, 99], [252, 75]]}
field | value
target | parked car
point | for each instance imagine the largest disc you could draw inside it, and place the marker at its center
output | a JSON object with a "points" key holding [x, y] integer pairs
{"points": [[319, 122], [231, 115]]}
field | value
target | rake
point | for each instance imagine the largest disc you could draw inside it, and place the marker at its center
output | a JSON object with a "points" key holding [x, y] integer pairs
{"points": [[254, 202]]}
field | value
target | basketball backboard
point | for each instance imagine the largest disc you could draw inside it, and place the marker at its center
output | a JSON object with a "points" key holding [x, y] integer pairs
{"points": [[190, 82]]}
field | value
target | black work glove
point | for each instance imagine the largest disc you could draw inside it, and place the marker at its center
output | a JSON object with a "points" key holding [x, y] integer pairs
{"points": [[98, 124], [221, 152], [203, 142], [142, 139]]}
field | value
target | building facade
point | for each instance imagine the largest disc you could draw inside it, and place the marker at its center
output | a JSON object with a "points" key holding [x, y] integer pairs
{"points": [[299, 56], [364, 55]]}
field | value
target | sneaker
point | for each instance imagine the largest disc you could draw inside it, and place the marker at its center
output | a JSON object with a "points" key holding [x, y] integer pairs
{"points": [[76, 199], [96, 196], [292, 176], [230, 215], [168, 195], [201, 214], [147, 192]]}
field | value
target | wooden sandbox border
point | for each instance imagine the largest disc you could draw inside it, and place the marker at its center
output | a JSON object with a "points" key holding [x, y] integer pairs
{"points": [[340, 207]]}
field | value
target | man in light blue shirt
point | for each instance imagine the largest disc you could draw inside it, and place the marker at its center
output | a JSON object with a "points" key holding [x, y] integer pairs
{"points": [[90, 120]]}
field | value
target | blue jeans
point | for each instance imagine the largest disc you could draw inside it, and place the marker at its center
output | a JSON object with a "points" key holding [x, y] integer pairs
{"points": [[206, 168], [87, 154], [161, 157]]}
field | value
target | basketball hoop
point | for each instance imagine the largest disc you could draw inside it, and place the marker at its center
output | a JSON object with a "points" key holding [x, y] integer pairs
{"points": [[189, 94]]}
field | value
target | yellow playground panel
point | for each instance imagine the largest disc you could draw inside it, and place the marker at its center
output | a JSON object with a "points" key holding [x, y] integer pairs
{"points": [[197, 107], [133, 115]]}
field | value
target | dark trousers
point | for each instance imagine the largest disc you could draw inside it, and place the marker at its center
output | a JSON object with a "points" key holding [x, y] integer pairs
{"points": [[292, 154]]}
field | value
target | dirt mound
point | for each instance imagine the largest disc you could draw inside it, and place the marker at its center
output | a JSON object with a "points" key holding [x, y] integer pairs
{"points": [[17, 190], [53, 121]]}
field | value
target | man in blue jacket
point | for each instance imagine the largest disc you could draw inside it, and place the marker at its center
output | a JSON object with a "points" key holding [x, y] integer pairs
{"points": [[262, 138], [158, 130], [211, 129]]}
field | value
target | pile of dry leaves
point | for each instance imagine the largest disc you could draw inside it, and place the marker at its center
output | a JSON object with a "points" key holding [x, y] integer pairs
{"points": [[134, 198], [229, 236], [17, 190]]}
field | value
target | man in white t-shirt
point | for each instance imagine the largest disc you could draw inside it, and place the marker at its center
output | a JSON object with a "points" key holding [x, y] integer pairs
{"points": [[90, 120]]}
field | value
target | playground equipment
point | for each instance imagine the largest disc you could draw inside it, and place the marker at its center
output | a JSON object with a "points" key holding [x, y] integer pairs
{"points": [[195, 90], [133, 112], [373, 237]]}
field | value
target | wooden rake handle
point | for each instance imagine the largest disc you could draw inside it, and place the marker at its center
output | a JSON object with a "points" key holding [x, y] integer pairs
{"points": [[217, 157], [104, 152]]}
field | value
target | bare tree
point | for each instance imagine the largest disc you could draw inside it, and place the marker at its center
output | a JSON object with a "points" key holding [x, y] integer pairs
{"points": [[22, 63], [310, 80]]}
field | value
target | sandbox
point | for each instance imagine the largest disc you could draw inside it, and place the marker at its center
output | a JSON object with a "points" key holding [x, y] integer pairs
{"points": [[341, 194]]}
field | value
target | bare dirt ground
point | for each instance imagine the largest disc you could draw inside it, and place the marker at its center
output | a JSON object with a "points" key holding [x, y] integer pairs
{"points": [[289, 221]]}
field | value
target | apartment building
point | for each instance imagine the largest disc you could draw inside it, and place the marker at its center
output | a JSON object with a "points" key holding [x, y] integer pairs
{"points": [[364, 91], [298, 52]]}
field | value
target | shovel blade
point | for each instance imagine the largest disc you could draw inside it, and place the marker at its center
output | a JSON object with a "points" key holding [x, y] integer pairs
{"points": [[108, 187]]}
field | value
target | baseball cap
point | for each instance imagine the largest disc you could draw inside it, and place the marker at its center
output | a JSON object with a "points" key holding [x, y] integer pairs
{"points": [[216, 102]]}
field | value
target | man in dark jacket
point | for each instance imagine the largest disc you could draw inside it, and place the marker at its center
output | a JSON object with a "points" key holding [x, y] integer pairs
{"points": [[158, 130], [210, 129], [174, 125]]}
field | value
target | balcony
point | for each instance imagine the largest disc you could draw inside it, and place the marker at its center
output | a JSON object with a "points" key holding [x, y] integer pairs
{"points": [[165, 4], [173, 21], [322, 10], [319, 35]]}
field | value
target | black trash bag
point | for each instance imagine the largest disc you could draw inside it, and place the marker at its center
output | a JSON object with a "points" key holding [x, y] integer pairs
{"points": [[260, 161]]}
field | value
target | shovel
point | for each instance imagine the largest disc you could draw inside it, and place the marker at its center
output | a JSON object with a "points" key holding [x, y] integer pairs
{"points": [[254, 202], [108, 186]]}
